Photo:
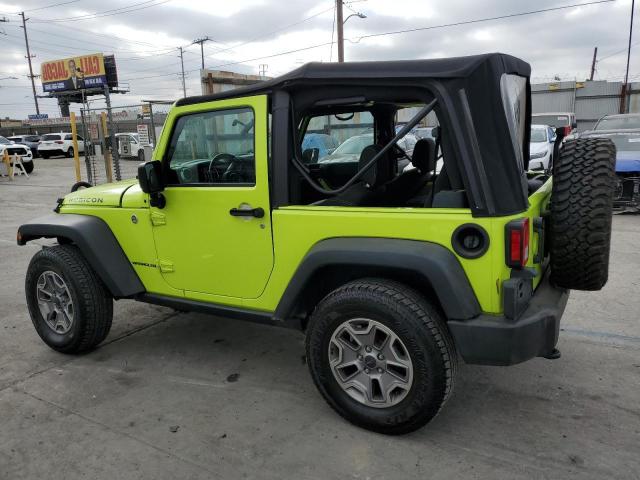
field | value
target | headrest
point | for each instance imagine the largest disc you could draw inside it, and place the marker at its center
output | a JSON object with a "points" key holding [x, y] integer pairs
{"points": [[375, 175], [424, 155]]}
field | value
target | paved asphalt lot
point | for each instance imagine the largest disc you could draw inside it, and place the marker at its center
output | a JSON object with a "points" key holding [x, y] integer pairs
{"points": [[154, 401]]}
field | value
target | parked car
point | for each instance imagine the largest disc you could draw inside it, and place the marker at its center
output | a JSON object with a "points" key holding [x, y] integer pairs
{"points": [[24, 151], [424, 132], [129, 146], [618, 122], [541, 147], [52, 144], [566, 120], [627, 141], [352, 147], [390, 297], [31, 141], [325, 145]]}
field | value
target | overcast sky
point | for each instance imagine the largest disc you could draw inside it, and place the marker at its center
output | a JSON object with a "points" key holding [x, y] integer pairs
{"points": [[146, 37]]}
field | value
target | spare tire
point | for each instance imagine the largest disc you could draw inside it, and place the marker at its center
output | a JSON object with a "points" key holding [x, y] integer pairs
{"points": [[581, 211]]}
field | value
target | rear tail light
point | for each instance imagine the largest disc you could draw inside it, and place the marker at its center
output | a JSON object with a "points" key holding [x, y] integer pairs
{"points": [[59, 141], [517, 242]]}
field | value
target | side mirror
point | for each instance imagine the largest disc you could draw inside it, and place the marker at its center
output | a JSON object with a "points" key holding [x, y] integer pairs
{"points": [[151, 182], [574, 125]]}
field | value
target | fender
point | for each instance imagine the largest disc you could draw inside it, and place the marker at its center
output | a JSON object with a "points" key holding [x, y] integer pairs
{"points": [[433, 264], [97, 243]]}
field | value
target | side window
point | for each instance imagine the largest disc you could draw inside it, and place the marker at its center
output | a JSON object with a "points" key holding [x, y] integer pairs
{"points": [[215, 147], [337, 138], [68, 137]]}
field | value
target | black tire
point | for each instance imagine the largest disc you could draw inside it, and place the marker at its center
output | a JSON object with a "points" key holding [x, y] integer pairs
{"points": [[420, 328], [28, 166], [581, 211], [70, 152], [92, 302], [141, 156]]}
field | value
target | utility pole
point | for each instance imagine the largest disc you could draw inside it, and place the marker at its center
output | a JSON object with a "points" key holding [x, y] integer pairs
{"points": [[340, 28], [31, 75], [262, 69], [184, 87], [624, 107], [593, 63], [201, 42]]}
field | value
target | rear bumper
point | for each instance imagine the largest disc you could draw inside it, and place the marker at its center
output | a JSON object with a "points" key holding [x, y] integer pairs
{"points": [[497, 340]]}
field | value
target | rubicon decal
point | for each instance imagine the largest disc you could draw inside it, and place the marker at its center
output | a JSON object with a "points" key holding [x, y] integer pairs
{"points": [[92, 200]]}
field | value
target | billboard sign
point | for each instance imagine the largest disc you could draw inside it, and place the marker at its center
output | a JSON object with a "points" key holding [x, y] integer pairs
{"points": [[38, 116], [76, 73]]}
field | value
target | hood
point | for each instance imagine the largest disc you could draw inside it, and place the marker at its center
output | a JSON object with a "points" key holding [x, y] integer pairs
{"points": [[537, 147], [10, 145], [107, 195], [628, 161]]}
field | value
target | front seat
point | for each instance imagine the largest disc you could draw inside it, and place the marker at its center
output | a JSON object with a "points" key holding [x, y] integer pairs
{"points": [[366, 191], [410, 184]]}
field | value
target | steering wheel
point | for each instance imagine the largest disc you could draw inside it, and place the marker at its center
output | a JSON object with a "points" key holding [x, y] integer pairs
{"points": [[218, 158]]}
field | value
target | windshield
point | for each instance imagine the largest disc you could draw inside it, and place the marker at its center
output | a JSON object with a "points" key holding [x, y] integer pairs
{"points": [[624, 142], [538, 135], [51, 137], [4, 140], [553, 120], [354, 145], [619, 123]]}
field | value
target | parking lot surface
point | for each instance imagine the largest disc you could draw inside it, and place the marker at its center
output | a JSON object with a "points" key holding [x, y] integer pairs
{"points": [[175, 395]]}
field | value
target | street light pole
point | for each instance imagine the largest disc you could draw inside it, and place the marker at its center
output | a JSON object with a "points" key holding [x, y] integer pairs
{"points": [[340, 26]]}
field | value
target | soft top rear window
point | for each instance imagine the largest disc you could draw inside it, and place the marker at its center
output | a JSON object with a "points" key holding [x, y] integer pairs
{"points": [[51, 137]]}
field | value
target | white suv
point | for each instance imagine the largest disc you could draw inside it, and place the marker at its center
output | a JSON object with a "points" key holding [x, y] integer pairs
{"points": [[24, 151], [59, 144]]}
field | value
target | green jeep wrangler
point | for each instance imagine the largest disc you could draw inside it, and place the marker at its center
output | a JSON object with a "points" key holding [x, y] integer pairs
{"points": [[396, 257]]}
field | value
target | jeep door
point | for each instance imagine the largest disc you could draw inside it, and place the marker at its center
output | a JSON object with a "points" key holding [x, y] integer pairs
{"points": [[214, 234]]}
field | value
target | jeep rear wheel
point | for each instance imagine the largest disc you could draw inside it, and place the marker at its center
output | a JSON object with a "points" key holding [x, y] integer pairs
{"points": [[69, 306], [381, 355], [28, 166], [581, 210]]}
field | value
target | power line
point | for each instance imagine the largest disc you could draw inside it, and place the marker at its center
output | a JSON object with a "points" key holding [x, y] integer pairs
{"points": [[480, 20], [106, 13], [52, 5], [618, 52], [286, 27]]}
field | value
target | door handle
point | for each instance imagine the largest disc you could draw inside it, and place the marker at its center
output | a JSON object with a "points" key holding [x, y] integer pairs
{"points": [[248, 212]]}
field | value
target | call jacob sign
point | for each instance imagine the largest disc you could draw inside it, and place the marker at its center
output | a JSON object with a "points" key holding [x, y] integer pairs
{"points": [[68, 74]]}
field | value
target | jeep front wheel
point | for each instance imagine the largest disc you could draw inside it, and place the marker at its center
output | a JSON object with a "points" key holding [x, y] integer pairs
{"points": [[69, 306], [381, 355]]}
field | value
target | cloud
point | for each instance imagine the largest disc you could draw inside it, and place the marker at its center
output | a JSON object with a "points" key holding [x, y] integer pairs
{"points": [[145, 41]]}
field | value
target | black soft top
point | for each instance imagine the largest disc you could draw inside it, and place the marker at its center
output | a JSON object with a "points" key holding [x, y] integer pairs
{"points": [[492, 65], [483, 104]]}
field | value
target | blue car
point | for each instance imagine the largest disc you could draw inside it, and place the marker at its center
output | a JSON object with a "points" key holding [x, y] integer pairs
{"points": [[325, 144], [627, 196]]}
